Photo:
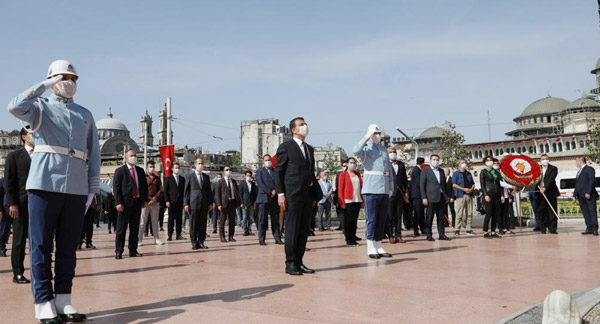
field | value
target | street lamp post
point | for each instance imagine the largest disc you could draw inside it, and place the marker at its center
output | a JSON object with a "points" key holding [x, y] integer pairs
{"points": [[413, 141]]}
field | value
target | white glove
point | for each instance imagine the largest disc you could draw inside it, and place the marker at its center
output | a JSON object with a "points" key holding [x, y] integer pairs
{"points": [[90, 196], [369, 134], [49, 83]]}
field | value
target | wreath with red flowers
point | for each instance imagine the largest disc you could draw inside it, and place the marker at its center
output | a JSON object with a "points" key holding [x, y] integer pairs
{"points": [[520, 170]]}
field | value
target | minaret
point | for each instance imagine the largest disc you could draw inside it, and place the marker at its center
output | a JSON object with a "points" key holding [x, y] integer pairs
{"points": [[162, 126], [146, 124]]}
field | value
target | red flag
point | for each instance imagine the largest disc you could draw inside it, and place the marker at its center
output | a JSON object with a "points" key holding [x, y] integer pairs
{"points": [[167, 154], [558, 139]]}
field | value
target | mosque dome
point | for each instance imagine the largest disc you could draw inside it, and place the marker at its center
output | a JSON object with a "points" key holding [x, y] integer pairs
{"points": [[545, 106]]}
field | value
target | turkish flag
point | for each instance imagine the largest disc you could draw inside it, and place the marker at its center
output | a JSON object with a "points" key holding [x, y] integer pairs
{"points": [[167, 154]]}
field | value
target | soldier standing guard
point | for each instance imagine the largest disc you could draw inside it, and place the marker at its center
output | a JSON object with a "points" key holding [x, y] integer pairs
{"points": [[63, 178]]}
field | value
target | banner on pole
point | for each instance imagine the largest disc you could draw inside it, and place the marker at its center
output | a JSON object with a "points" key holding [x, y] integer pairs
{"points": [[167, 155]]}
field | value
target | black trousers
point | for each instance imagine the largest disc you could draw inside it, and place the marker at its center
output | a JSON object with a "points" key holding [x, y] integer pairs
{"points": [[175, 219], [452, 212], [264, 211], [436, 208], [215, 218], [395, 211], [547, 218], [419, 217], [350, 219], [129, 217], [88, 225], [161, 216], [198, 220], [297, 223], [407, 214], [492, 212], [20, 230], [340, 215], [588, 208], [112, 220], [229, 214], [313, 217], [504, 216]]}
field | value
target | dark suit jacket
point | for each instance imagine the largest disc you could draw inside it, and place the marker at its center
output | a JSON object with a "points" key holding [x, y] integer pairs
{"points": [[123, 186], [415, 183], [15, 177], [586, 183], [294, 175], [266, 184], [449, 188], [196, 196], [400, 179], [550, 181], [248, 197], [431, 189], [173, 191], [222, 195]]}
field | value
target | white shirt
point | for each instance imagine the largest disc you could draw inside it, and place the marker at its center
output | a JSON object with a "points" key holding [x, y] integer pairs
{"points": [[199, 177], [299, 142], [436, 171], [355, 190], [544, 168], [395, 166], [29, 150], [249, 186]]}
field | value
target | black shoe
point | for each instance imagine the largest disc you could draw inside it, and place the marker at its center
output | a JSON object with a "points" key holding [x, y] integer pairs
{"points": [[357, 238], [292, 270], [2, 253], [109, 232], [135, 254], [487, 235], [430, 239], [311, 233], [445, 238], [543, 232], [553, 232], [498, 236], [90, 246], [20, 279], [304, 269], [582, 233], [595, 234], [55, 320], [262, 243], [169, 239], [179, 237], [280, 242], [246, 234], [417, 234], [385, 255], [203, 247], [195, 247], [231, 239], [351, 243], [374, 256], [119, 256], [537, 229], [223, 240], [214, 231], [76, 317], [162, 229]]}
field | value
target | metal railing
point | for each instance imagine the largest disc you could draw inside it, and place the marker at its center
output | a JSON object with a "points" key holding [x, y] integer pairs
{"points": [[564, 212]]}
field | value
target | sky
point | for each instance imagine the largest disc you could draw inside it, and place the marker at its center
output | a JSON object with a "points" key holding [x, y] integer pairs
{"points": [[342, 65]]}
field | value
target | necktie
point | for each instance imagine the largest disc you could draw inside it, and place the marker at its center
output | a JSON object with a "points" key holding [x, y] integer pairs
{"points": [[135, 189], [578, 172], [229, 189], [304, 147], [176, 180]]}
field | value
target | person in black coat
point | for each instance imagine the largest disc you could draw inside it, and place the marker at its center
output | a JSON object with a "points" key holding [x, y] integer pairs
{"points": [[398, 199], [415, 193], [434, 197], [298, 192], [16, 174], [585, 192], [198, 202], [267, 202], [548, 187], [248, 194], [174, 194], [492, 194], [110, 211], [227, 200], [131, 195], [450, 191], [87, 230]]}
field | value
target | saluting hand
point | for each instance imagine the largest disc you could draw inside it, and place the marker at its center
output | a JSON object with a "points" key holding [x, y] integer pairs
{"points": [[50, 83]]}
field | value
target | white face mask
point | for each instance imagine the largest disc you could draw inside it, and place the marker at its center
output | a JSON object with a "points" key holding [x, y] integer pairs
{"points": [[463, 166], [66, 88], [303, 130], [248, 179], [435, 164], [376, 138], [545, 162], [199, 167], [227, 173], [132, 160], [150, 170], [268, 164], [393, 156], [489, 163], [496, 167], [176, 171], [352, 166]]}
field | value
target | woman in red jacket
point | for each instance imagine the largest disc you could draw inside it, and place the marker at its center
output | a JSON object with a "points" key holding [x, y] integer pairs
{"points": [[350, 185]]}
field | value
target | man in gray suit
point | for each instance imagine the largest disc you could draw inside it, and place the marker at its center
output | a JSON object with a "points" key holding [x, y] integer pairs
{"points": [[198, 201], [434, 195]]}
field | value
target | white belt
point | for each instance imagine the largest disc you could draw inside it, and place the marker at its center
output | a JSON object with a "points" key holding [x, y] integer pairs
{"points": [[72, 153], [377, 173]]}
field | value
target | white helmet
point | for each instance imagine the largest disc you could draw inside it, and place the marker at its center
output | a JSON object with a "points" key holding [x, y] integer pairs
{"points": [[61, 67], [374, 128]]}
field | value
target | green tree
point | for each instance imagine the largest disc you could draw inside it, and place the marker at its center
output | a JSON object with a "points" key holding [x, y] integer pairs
{"points": [[237, 160], [331, 163], [593, 142], [453, 148]]}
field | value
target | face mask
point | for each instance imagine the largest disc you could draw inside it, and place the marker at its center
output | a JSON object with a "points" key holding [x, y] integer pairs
{"points": [[376, 138], [268, 164], [199, 167], [176, 171], [66, 88], [545, 162], [248, 179], [463, 166], [352, 166], [227, 173], [303, 130], [577, 165], [150, 170], [496, 167], [435, 164], [132, 160], [489, 163], [393, 156]]}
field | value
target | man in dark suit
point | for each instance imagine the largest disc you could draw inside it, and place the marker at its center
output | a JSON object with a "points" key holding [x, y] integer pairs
{"points": [[547, 186], [227, 200], [110, 211], [434, 197], [215, 212], [131, 195], [398, 199], [248, 194], [198, 201], [88, 223], [267, 202], [450, 218], [298, 192], [174, 190], [585, 192], [415, 192], [16, 174]]}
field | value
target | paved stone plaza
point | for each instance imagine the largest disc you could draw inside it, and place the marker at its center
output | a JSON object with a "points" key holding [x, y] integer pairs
{"points": [[466, 280]]}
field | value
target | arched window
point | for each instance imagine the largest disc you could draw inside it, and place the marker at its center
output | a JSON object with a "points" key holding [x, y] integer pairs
{"points": [[560, 148], [501, 151], [518, 150], [497, 152], [573, 144], [554, 147], [568, 146], [530, 150], [581, 144], [546, 148]]}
